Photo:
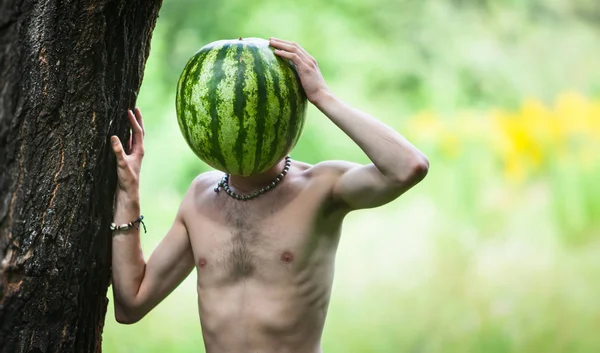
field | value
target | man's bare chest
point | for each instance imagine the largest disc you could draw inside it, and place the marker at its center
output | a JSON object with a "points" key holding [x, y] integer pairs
{"points": [[233, 240]]}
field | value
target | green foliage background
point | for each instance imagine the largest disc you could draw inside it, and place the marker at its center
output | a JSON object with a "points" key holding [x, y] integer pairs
{"points": [[468, 261]]}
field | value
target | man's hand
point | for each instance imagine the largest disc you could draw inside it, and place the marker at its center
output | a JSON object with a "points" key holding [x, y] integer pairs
{"points": [[129, 165], [308, 69]]}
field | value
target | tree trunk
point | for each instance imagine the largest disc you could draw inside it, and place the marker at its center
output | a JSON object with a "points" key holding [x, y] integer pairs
{"points": [[69, 70]]}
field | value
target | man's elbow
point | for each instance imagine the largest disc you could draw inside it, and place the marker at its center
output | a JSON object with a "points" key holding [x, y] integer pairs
{"points": [[415, 171], [421, 168], [126, 317]]}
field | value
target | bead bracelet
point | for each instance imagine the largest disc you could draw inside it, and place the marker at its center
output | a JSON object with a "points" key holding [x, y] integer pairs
{"points": [[129, 225]]}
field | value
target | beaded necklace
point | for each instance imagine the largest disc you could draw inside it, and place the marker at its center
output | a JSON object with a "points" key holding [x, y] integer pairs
{"points": [[224, 183]]}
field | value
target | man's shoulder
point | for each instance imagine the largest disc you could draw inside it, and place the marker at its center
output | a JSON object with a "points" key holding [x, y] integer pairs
{"points": [[199, 188], [331, 167], [202, 182], [206, 178]]}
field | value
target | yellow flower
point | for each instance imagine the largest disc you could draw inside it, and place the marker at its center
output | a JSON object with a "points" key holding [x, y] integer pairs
{"points": [[527, 141]]}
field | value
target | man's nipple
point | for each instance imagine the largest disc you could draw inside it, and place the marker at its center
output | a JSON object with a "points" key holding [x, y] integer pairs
{"points": [[202, 263], [287, 257]]}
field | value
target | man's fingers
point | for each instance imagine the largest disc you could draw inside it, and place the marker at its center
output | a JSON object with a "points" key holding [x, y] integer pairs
{"points": [[291, 56], [137, 138], [290, 47], [285, 46], [135, 126], [117, 148], [138, 115], [273, 39]]}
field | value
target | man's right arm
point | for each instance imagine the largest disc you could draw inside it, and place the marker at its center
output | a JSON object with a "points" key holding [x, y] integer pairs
{"points": [[139, 286]]}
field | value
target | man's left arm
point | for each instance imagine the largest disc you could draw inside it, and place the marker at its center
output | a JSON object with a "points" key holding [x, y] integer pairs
{"points": [[396, 165]]}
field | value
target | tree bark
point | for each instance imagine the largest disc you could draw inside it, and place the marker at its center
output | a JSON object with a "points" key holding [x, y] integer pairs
{"points": [[69, 70]]}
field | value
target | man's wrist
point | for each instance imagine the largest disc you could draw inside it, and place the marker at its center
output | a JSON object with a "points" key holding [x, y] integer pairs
{"points": [[127, 208], [324, 100], [129, 200]]}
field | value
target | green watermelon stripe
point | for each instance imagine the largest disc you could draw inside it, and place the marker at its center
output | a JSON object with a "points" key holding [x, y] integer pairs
{"points": [[213, 101], [194, 71], [239, 108], [199, 126], [293, 98], [251, 98], [190, 70], [184, 128], [261, 92], [272, 112], [229, 123], [298, 123], [200, 99], [277, 129], [286, 112]]}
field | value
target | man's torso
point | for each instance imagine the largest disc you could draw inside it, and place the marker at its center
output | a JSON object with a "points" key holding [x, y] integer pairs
{"points": [[265, 266]]}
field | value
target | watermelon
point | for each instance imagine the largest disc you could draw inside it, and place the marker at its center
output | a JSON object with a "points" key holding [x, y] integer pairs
{"points": [[240, 107]]}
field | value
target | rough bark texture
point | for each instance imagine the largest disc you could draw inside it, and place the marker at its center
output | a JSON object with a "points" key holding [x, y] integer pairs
{"points": [[68, 72]]}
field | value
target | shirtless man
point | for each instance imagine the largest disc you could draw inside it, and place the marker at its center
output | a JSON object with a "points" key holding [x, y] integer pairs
{"points": [[264, 266]]}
